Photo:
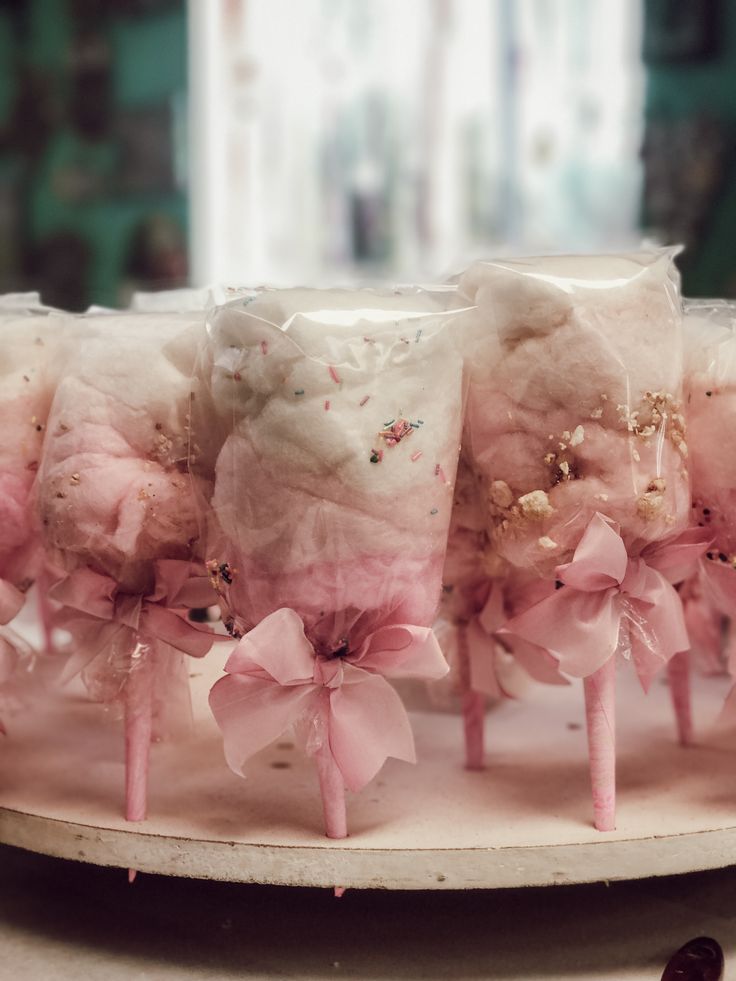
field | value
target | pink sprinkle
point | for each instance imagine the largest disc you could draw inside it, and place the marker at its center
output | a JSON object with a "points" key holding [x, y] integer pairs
{"points": [[364, 399], [264, 347], [334, 375], [439, 472], [415, 456], [327, 405]]}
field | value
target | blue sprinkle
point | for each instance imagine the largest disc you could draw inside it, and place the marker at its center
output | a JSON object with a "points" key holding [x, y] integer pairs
{"points": [[433, 511], [299, 391], [387, 424], [420, 422], [415, 425], [419, 334]]}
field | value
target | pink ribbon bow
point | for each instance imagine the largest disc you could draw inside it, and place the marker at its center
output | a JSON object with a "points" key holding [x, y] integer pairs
{"points": [[96, 612], [275, 678], [11, 601], [607, 600], [487, 628]]}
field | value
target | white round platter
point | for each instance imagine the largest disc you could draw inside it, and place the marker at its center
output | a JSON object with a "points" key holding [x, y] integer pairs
{"points": [[524, 821]]}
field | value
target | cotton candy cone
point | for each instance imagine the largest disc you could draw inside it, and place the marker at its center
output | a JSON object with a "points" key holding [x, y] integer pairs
{"points": [[474, 708]]}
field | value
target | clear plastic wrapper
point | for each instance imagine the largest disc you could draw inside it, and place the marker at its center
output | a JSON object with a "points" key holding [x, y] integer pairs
{"points": [[29, 349], [115, 491], [334, 488], [575, 401], [333, 494], [710, 379]]}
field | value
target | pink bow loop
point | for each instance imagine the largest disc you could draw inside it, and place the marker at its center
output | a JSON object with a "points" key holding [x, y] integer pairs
{"points": [[678, 558], [533, 658], [97, 613], [275, 679], [600, 560], [603, 606]]}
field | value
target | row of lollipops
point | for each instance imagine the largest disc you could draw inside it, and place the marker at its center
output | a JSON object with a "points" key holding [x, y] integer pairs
{"points": [[329, 466]]}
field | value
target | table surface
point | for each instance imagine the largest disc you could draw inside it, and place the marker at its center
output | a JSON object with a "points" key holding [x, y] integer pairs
{"points": [[65, 921]]}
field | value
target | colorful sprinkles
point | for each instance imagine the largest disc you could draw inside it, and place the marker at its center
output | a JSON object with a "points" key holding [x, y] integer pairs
{"points": [[264, 347], [376, 456], [439, 472], [364, 400], [415, 456], [327, 405], [396, 430], [334, 375]]}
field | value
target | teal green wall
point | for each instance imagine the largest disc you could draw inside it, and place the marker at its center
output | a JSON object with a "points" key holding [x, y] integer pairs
{"points": [[691, 88], [149, 68]]}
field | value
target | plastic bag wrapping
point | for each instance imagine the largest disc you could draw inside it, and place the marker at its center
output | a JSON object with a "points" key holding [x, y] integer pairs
{"points": [[117, 486], [575, 401], [29, 354], [710, 384], [180, 300], [333, 489], [114, 487]]}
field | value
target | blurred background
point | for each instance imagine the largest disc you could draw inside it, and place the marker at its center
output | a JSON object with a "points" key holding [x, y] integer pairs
{"points": [[147, 144]]}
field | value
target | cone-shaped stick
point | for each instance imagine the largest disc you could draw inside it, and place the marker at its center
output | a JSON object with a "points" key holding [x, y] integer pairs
{"points": [[474, 715], [45, 611], [473, 707], [138, 727], [600, 718], [332, 788], [678, 672]]}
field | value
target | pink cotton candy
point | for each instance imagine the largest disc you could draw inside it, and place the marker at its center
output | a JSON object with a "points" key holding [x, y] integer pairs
{"points": [[307, 519], [30, 356], [114, 491], [711, 393], [575, 402]]}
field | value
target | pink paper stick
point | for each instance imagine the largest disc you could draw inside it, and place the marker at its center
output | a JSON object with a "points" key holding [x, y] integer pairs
{"points": [[678, 673], [473, 706], [332, 787], [600, 718], [474, 714], [45, 611], [138, 731]]}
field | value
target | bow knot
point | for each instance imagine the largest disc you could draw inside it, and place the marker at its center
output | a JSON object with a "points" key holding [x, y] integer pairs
{"points": [[328, 671], [275, 678], [611, 602], [96, 612]]}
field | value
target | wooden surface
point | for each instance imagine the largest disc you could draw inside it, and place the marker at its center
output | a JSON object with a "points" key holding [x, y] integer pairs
{"points": [[524, 821]]}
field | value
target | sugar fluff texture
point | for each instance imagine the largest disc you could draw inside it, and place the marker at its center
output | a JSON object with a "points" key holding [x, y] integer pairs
{"points": [[575, 401], [334, 487]]}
